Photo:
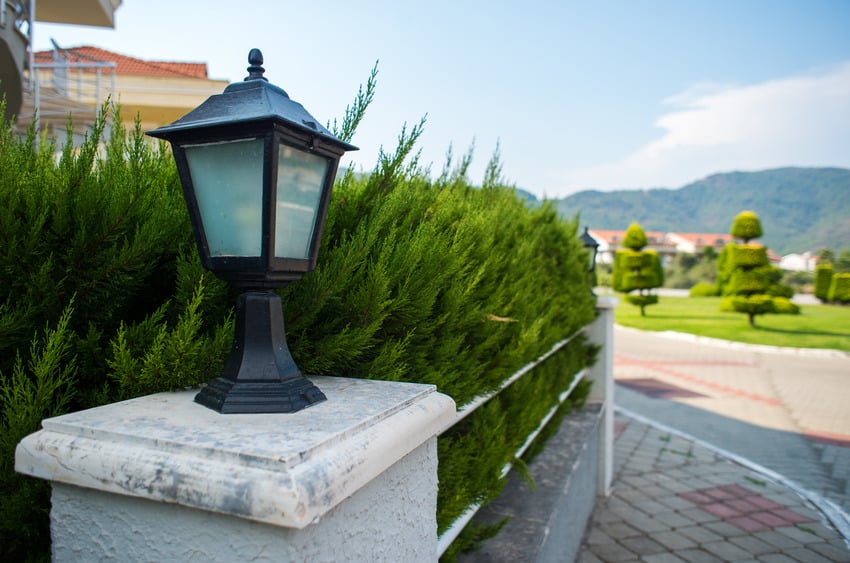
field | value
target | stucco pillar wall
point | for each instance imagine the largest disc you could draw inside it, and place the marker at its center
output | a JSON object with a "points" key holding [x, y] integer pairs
{"points": [[601, 333], [161, 478]]}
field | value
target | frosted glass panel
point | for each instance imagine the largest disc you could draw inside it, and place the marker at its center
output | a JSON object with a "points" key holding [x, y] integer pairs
{"points": [[300, 177], [228, 179]]}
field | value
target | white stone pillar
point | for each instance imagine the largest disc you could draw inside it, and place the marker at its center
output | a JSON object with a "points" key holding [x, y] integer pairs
{"points": [[161, 478], [601, 333]]}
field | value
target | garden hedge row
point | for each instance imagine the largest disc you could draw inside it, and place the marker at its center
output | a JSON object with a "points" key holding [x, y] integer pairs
{"points": [[426, 280]]}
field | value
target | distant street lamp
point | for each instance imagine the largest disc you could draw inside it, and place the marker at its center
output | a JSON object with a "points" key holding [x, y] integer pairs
{"points": [[257, 172], [592, 247]]}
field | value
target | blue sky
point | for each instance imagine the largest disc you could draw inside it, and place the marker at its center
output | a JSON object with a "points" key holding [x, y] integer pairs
{"points": [[578, 95]]}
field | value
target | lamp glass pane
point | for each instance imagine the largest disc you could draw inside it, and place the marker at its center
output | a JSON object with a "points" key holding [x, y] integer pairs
{"points": [[300, 178], [228, 181]]}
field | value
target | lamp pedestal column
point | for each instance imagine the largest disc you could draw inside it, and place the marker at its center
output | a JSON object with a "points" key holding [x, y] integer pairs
{"points": [[162, 478]]}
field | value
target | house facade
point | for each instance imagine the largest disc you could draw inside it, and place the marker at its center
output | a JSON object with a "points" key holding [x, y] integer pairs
{"points": [[78, 80], [667, 245], [16, 36]]}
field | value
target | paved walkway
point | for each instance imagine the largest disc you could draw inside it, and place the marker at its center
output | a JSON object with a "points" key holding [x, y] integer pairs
{"points": [[726, 453]]}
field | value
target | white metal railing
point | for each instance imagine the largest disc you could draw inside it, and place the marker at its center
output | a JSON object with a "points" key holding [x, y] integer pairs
{"points": [[453, 531], [599, 332]]}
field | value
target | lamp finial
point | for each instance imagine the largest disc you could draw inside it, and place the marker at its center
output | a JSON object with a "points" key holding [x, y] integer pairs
{"points": [[255, 71]]}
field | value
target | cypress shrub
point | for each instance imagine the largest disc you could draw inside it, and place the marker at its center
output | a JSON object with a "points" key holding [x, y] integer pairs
{"points": [[433, 281], [823, 280], [750, 255], [704, 289], [784, 306], [746, 277], [746, 226], [839, 288], [637, 269]]}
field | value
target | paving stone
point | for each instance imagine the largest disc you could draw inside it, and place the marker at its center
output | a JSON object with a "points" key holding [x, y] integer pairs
{"points": [[774, 538], [699, 556], [804, 536], [675, 502], [777, 558], [674, 540], [674, 519], [726, 551], [831, 551], [699, 515], [651, 507], [662, 558], [643, 545], [700, 534], [620, 530], [613, 553], [752, 544], [805, 555], [725, 529]]}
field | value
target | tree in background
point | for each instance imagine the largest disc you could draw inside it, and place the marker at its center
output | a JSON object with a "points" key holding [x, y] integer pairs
{"points": [[637, 269], [839, 288], [823, 279], [745, 276], [832, 276]]}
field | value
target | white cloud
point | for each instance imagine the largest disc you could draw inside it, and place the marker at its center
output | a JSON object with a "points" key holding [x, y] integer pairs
{"points": [[795, 121]]}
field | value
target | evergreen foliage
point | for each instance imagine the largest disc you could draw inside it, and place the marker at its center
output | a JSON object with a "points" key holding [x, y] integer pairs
{"points": [[434, 281], [839, 288], [823, 279], [637, 269], [704, 289], [750, 284], [746, 226]]}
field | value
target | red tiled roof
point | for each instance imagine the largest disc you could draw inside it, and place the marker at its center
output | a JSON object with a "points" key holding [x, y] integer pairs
{"points": [[655, 238], [125, 64]]}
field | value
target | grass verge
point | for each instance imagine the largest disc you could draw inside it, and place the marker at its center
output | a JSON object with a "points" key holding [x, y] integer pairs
{"points": [[817, 326]]}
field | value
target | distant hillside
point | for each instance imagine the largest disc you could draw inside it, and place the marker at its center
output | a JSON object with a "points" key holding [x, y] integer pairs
{"points": [[800, 208]]}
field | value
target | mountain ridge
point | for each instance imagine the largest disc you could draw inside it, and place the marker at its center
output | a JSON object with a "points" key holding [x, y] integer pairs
{"points": [[801, 209]]}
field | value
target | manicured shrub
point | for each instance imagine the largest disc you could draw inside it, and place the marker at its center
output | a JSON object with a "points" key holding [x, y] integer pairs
{"points": [[784, 306], [637, 269], [746, 226], [823, 281], [704, 289], [839, 289], [749, 255], [746, 277]]}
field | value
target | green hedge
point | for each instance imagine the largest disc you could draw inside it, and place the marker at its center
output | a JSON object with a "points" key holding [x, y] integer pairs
{"points": [[704, 289], [419, 279], [749, 255], [839, 288], [823, 280]]}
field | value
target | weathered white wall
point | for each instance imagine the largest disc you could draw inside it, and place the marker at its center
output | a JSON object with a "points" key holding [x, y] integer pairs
{"points": [[390, 519]]}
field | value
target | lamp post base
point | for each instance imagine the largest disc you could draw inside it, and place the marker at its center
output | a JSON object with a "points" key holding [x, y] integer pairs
{"points": [[260, 376]]}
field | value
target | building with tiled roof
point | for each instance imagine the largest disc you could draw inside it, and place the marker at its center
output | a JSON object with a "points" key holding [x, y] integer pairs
{"points": [[667, 245], [78, 80]]}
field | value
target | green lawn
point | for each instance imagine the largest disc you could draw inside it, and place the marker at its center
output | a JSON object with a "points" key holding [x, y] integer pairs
{"points": [[817, 326]]}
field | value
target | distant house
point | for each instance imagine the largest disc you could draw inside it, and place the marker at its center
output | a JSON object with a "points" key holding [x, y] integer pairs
{"points": [[667, 245], [804, 262], [696, 243], [77, 80], [610, 241], [16, 25]]}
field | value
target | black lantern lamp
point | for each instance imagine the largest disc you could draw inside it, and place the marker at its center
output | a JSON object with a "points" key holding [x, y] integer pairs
{"points": [[257, 173], [592, 248]]}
